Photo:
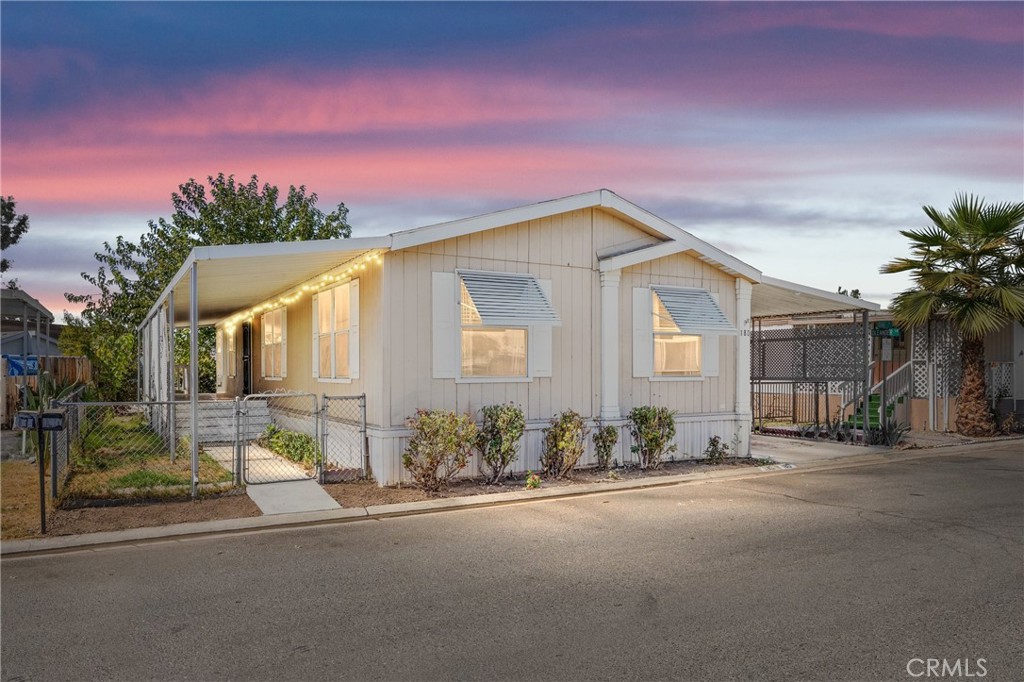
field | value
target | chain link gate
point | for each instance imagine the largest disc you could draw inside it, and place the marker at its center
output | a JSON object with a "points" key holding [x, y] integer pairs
{"points": [[277, 437], [343, 438]]}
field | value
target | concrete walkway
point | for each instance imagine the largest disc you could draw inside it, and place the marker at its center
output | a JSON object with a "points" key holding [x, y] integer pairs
{"points": [[802, 452], [276, 485]]}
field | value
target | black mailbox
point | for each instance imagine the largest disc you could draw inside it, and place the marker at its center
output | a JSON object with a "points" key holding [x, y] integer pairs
{"points": [[47, 420]]}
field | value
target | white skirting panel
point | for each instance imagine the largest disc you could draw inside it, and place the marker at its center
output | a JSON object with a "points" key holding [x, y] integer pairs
{"points": [[692, 435]]}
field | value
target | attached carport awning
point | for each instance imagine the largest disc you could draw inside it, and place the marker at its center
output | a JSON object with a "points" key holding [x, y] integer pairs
{"points": [[236, 277], [778, 298]]}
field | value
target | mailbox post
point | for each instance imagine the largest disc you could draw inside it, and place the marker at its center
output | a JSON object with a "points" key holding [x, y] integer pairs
{"points": [[41, 421]]}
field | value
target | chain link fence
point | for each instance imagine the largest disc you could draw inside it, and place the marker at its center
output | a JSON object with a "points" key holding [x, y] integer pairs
{"points": [[343, 437], [125, 450], [278, 437], [143, 450]]}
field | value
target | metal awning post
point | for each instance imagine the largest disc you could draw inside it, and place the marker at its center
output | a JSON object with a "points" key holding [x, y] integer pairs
{"points": [[193, 367], [867, 376], [171, 396]]}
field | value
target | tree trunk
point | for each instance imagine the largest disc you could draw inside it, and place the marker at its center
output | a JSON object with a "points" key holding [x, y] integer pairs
{"points": [[972, 415]]}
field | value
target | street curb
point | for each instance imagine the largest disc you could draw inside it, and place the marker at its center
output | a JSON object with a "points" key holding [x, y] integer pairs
{"points": [[185, 531]]}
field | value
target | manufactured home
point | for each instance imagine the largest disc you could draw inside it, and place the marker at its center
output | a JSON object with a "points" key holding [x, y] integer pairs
{"points": [[588, 302]]}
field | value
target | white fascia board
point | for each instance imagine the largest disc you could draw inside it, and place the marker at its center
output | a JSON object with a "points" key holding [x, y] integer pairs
{"points": [[709, 253], [178, 276], [847, 301], [459, 228], [613, 202]]}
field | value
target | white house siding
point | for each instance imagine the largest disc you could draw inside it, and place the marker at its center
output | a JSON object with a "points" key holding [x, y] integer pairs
{"points": [[562, 249], [300, 351]]}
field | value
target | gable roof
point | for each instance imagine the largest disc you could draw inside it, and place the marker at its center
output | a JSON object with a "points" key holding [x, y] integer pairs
{"points": [[672, 239]]}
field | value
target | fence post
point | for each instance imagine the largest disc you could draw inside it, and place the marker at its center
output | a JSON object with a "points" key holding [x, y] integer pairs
{"points": [[364, 439], [236, 454], [53, 456], [324, 402]]}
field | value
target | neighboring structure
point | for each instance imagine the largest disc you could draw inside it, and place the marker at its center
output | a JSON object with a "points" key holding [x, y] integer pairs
{"points": [[587, 303]]}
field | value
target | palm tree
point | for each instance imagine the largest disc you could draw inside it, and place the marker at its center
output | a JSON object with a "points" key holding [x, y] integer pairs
{"points": [[968, 265]]}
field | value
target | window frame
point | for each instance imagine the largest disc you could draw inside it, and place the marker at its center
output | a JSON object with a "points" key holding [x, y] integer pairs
{"points": [[282, 341], [674, 332], [323, 296], [463, 295]]}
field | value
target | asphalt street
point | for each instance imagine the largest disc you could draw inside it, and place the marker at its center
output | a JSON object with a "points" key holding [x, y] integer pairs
{"points": [[846, 574]]}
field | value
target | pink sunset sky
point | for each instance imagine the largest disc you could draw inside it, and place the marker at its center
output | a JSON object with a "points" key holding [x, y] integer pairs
{"points": [[798, 136]]}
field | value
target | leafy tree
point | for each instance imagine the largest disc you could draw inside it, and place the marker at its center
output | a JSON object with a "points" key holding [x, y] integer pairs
{"points": [[12, 227], [968, 265], [132, 275], [846, 292]]}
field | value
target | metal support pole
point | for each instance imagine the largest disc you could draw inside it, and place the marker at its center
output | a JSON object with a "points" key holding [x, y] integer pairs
{"points": [[23, 396], [238, 442], [193, 365], [365, 439], [171, 393], [867, 375]]}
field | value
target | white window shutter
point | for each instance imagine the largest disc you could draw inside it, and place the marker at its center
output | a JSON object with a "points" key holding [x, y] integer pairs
{"points": [[353, 329], [444, 316], [284, 342], [219, 355], [539, 344], [263, 346], [316, 336], [643, 333], [709, 344]]}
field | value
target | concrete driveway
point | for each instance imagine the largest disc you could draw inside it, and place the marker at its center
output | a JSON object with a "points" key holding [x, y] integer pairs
{"points": [[845, 574]]}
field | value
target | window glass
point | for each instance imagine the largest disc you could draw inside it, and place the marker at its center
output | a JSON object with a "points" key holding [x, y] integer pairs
{"points": [[323, 314], [325, 356], [341, 354], [341, 307], [677, 354], [493, 352]]}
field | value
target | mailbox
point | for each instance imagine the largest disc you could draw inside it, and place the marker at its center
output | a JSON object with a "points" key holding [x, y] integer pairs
{"points": [[47, 420]]}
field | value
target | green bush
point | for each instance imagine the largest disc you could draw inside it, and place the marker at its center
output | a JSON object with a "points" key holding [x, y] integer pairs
{"points": [[606, 437], [716, 451], [533, 481], [890, 433], [298, 447], [652, 429], [440, 447], [564, 443], [498, 440]]}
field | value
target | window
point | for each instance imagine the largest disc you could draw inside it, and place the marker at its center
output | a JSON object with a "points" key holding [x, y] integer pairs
{"points": [[219, 357], [676, 332], [274, 361], [489, 351], [336, 332], [491, 326], [675, 353]]}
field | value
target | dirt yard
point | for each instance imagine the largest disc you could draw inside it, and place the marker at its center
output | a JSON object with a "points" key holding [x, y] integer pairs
{"points": [[19, 509]]}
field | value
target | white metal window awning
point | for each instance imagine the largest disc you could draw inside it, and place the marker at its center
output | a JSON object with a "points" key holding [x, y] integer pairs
{"points": [[507, 299], [694, 311]]}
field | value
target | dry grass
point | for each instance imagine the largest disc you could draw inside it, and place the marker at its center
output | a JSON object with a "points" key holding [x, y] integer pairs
{"points": [[19, 499]]}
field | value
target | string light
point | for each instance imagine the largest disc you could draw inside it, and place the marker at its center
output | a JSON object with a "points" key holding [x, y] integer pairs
{"points": [[344, 272]]}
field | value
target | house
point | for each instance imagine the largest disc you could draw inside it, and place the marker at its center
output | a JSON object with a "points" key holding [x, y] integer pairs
{"points": [[587, 302]]}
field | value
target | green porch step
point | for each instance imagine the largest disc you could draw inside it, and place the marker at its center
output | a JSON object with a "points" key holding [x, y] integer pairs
{"points": [[874, 401]]}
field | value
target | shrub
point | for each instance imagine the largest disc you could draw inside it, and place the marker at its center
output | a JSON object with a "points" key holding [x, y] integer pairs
{"points": [[298, 447], [564, 442], [533, 481], [890, 433], [498, 440], [652, 429], [605, 438], [440, 447], [716, 451]]}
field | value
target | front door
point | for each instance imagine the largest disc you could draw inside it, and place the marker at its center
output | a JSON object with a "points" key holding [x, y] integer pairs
{"points": [[246, 358]]}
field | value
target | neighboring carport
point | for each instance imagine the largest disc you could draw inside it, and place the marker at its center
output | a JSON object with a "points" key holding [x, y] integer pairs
{"points": [[793, 365]]}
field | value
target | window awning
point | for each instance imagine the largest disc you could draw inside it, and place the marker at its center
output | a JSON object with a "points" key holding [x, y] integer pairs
{"points": [[694, 311], [505, 299]]}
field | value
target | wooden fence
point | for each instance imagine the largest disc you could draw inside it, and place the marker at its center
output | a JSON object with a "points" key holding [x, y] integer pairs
{"points": [[65, 370]]}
